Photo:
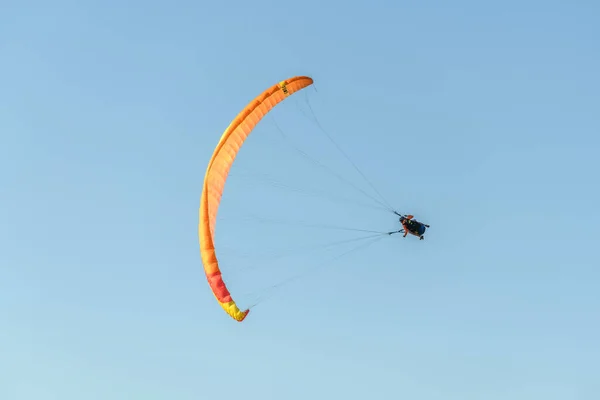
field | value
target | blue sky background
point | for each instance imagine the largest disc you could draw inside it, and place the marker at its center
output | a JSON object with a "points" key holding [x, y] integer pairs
{"points": [[481, 119]]}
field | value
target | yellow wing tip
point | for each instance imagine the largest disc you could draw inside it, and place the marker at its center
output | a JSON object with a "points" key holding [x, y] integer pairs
{"points": [[232, 309], [239, 317], [244, 315]]}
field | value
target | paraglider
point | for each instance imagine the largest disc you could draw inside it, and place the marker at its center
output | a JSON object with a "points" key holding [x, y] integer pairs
{"points": [[217, 173]]}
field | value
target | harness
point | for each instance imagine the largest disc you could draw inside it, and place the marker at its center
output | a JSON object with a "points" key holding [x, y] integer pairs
{"points": [[412, 225]]}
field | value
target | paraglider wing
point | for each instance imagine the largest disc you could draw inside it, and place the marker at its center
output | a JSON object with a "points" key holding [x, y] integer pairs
{"points": [[216, 175]]}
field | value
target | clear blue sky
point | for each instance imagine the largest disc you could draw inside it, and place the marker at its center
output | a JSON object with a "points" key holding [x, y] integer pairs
{"points": [[481, 119]]}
